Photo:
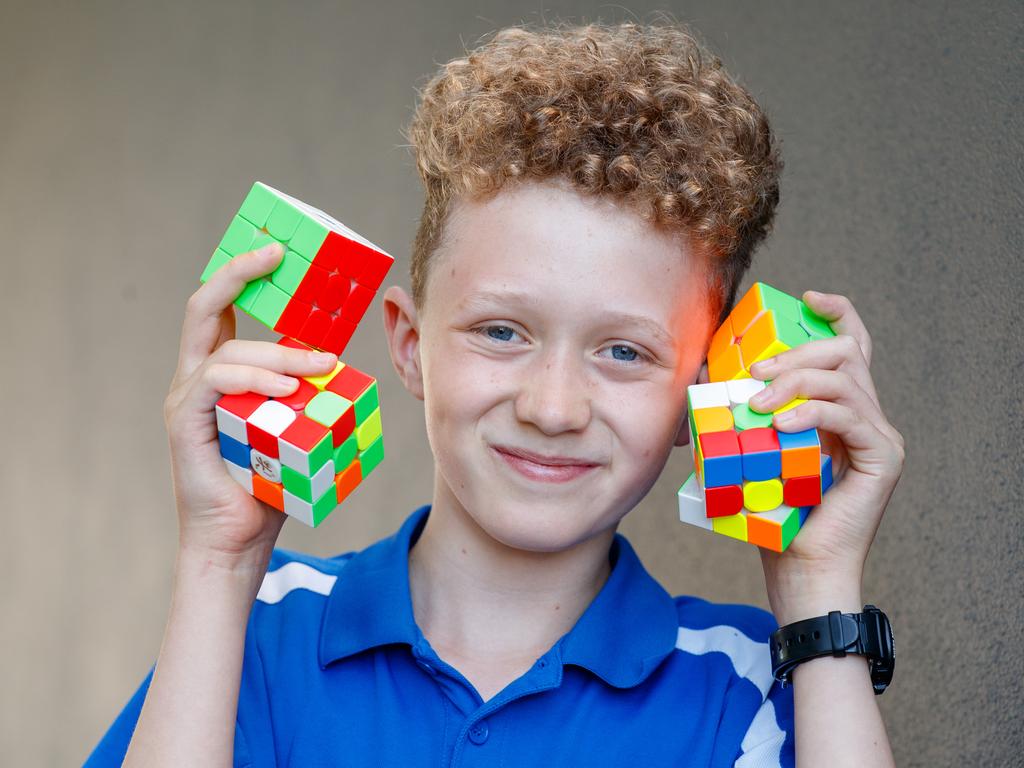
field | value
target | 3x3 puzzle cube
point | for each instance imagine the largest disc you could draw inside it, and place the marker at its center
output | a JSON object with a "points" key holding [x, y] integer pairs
{"points": [[326, 280], [303, 453], [750, 481]]}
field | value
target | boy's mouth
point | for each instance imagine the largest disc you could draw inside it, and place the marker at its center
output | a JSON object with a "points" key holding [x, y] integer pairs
{"points": [[549, 469]]}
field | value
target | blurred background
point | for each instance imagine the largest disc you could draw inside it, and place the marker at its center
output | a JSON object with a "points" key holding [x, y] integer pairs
{"points": [[130, 132]]}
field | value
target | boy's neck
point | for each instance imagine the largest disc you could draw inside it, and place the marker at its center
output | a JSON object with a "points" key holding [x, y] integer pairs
{"points": [[479, 601]]}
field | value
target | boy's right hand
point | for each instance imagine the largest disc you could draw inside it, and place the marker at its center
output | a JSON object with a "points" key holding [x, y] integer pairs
{"points": [[217, 518]]}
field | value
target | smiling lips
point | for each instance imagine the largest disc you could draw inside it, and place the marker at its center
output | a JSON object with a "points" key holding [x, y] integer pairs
{"points": [[548, 469]]}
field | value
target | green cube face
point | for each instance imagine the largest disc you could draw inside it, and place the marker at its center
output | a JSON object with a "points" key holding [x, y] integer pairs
{"points": [[367, 403], [372, 456]]}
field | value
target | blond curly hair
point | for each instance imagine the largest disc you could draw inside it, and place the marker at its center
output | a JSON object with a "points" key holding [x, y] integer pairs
{"points": [[644, 114]]}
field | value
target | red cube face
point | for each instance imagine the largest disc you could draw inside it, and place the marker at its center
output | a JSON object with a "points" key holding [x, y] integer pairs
{"points": [[802, 491], [723, 500], [716, 444], [758, 439]]}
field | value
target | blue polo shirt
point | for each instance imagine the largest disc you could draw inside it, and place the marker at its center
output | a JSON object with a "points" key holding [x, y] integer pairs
{"points": [[337, 673]]}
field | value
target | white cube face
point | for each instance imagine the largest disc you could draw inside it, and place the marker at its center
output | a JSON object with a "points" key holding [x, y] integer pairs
{"points": [[691, 504], [323, 479], [741, 390], [241, 475], [297, 508], [265, 466], [713, 395], [231, 425], [272, 417], [294, 458]]}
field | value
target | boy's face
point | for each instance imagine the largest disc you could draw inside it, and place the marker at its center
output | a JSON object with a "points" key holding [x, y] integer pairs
{"points": [[557, 338]]}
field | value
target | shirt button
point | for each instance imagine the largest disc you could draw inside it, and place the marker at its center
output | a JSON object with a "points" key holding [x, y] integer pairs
{"points": [[428, 667], [479, 732]]}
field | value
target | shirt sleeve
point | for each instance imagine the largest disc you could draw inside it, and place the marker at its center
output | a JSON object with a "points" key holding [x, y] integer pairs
{"points": [[769, 741], [112, 748]]}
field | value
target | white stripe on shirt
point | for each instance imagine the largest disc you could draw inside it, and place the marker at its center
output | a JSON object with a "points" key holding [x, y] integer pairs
{"points": [[294, 575]]}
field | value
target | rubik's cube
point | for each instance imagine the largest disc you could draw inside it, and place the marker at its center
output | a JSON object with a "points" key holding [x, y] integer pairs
{"points": [[326, 280], [750, 481], [303, 453]]}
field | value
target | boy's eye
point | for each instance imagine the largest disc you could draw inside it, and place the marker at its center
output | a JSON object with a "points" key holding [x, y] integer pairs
{"points": [[624, 353], [499, 332]]}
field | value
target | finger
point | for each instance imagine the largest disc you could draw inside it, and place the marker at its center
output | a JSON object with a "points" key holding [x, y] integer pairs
{"points": [[219, 379], [816, 384], [227, 326], [203, 325], [840, 314], [868, 449], [274, 357], [840, 353]]}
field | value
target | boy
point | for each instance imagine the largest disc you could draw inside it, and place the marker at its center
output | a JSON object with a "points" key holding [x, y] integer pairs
{"points": [[593, 198]]}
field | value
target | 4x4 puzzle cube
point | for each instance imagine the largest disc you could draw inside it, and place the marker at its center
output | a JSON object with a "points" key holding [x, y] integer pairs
{"points": [[303, 453], [751, 481]]}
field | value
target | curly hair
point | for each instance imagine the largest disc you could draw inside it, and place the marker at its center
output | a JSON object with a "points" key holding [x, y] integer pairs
{"points": [[644, 114]]}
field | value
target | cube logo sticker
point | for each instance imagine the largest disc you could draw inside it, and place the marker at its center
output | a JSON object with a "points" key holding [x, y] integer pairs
{"points": [[750, 481], [303, 453]]}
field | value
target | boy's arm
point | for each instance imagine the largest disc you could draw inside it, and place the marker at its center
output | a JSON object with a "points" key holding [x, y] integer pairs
{"points": [[837, 721], [226, 536]]}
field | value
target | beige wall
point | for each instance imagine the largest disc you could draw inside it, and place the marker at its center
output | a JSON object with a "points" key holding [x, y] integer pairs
{"points": [[128, 135]]}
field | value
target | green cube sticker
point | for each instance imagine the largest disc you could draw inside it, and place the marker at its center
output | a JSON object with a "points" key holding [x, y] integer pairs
{"points": [[745, 418], [258, 205], [791, 527], [283, 220], [238, 237], [816, 326], [308, 237], [290, 272], [269, 304], [326, 504], [327, 407], [345, 453], [781, 303], [218, 260], [297, 483], [367, 403], [372, 456], [249, 294]]}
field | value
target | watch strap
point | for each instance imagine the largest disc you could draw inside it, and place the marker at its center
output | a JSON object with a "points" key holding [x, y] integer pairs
{"points": [[836, 634]]}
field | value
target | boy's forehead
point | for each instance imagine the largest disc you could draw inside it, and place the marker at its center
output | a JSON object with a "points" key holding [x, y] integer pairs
{"points": [[543, 242]]}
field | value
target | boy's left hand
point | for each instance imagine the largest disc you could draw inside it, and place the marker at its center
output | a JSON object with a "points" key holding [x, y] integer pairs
{"points": [[821, 569]]}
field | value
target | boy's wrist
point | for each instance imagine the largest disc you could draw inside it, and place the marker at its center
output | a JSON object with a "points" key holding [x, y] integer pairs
{"points": [[244, 570], [798, 599]]}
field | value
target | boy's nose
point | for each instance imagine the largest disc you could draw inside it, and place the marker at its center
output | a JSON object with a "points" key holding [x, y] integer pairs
{"points": [[554, 395]]}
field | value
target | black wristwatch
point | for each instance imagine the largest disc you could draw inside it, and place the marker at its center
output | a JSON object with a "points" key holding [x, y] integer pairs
{"points": [[868, 634]]}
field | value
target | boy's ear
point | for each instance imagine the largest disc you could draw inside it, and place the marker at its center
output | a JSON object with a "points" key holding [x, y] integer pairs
{"points": [[402, 326], [683, 436]]}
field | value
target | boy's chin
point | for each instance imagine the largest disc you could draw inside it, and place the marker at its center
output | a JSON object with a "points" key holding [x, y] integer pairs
{"points": [[539, 527]]}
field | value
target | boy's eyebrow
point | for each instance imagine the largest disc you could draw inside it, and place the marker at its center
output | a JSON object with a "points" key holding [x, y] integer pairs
{"points": [[611, 318]]}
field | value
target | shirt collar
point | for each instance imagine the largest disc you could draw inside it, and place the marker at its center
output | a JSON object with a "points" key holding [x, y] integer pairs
{"points": [[625, 632]]}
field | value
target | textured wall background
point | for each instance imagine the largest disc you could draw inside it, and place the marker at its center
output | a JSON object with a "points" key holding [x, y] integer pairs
{"points": [[129, 133]]}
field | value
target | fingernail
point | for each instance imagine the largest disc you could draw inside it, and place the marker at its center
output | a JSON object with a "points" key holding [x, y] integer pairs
{"points": [[763, 366], [286, 382], [271, 249], [763, 397]]}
